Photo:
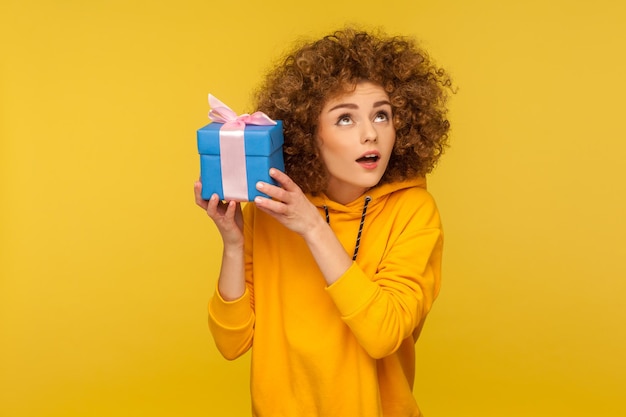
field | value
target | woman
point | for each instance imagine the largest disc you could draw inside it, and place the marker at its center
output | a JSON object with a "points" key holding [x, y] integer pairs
{"points": [[330, 279]]}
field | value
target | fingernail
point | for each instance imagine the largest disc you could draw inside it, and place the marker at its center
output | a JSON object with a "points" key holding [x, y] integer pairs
{"points": [[258, 200], [259, 185]]}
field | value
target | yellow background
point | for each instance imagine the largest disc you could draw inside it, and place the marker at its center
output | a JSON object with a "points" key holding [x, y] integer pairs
{"points": [[106, 264]]}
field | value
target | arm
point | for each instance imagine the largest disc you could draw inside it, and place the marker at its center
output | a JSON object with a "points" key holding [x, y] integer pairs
{"points": [[229, 221], [382, 307], [231, 317], [291, 208]]}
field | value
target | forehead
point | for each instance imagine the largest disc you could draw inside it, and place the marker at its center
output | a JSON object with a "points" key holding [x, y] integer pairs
{"points": [[361, 91]]}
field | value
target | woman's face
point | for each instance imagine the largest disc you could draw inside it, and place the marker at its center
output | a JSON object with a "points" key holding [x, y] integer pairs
{"points": [[355, 137]]}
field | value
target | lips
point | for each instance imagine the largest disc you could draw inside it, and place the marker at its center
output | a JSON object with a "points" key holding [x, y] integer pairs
{"points": [[369, 158]]}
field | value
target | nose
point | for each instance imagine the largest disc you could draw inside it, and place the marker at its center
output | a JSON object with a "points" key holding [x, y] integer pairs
{"points": [[369, 132]]}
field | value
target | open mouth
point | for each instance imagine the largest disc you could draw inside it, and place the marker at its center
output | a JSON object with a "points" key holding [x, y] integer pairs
{"points": [[369, 158]]}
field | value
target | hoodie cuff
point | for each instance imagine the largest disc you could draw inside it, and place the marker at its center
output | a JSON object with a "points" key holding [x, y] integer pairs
{"points": [[230, 314], [352, 291]]}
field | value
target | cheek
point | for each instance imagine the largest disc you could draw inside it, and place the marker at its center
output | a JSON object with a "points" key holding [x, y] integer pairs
{"points": [[335, 159], [392, 141], [332, 148]]}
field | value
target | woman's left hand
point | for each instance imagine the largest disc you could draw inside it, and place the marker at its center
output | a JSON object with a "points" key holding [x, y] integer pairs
{"points": [[290, 207], [289, 204]]}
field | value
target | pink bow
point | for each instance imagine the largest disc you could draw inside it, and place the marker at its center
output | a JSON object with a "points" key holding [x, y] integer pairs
{"points": [[232, 146], [221, 113]]}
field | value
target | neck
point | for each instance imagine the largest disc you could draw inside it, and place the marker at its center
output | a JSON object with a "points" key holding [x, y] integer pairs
{"points": [[344, 196]]}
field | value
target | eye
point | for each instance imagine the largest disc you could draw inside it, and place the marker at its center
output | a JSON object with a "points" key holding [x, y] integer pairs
{"points": [[381, 116], [344, 120]]}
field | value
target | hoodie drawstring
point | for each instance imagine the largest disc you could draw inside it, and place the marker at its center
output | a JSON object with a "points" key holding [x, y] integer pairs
{"points": [[358, 236]]}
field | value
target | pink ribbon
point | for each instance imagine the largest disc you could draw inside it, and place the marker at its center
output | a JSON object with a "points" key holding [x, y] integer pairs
{"points": [[232, 146]]}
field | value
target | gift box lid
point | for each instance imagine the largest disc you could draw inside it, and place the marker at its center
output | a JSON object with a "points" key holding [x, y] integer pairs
{"points": [[255, 139]]}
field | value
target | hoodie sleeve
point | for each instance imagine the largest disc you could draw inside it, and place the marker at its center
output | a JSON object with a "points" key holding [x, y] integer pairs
{"points": [[232, 322], [384, 309]]}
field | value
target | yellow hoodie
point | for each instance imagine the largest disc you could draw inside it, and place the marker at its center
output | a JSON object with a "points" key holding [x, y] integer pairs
{"points": [[344, 350]]}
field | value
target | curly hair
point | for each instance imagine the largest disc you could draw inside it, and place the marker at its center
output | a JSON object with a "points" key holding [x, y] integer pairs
{"points": [[296, 90]]}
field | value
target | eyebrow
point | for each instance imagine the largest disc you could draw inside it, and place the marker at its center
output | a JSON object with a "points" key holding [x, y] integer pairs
{"points": [[354, 106]]}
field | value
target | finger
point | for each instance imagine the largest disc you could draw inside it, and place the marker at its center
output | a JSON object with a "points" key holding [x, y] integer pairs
{"points": [[273, 191], [231, 210], [271, 206], [212, 208], [197, 187], [283, 179]]}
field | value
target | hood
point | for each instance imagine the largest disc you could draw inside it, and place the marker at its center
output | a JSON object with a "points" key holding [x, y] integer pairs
{"points": [[374, 198], [378, 193]]}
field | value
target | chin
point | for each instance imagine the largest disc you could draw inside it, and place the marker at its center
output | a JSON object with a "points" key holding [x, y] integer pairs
{"points": [[370, 184]]}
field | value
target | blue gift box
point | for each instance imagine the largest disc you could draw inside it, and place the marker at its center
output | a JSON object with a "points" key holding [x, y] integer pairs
{"points": [[263, 150]]}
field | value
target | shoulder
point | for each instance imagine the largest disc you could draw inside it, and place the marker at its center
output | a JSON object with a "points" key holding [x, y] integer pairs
{"points": [[413, 198], [414, 205], [411, 192]]}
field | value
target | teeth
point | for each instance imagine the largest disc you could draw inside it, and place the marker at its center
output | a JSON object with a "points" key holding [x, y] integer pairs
{"points": [[370, 158]]}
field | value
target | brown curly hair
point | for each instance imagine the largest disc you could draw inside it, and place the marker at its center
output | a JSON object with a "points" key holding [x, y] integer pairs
{"points": [[296, 90]]}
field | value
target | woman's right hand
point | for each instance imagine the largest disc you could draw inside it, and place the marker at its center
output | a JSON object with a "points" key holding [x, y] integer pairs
{"points": [[226, 216]]}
